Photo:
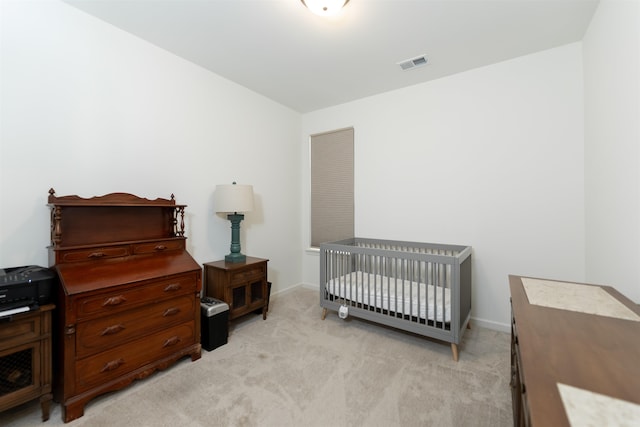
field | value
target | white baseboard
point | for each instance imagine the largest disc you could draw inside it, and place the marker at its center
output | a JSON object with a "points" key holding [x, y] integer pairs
{"points": [[490, 324], [291, 288], [483, 323], [308, 286]]}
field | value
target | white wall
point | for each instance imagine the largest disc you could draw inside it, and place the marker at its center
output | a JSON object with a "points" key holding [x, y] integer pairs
{"points": [[611, 49], [88, 109], [491, 158]]}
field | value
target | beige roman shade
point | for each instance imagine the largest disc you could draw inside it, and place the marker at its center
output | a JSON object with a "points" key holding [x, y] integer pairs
{"points": [[332, 205]]}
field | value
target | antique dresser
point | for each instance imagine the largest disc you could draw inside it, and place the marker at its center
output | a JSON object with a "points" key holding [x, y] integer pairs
{"points": [[128, 301]]}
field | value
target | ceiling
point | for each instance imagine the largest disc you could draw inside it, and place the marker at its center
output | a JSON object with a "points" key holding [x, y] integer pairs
{"points": [[279, 49]]}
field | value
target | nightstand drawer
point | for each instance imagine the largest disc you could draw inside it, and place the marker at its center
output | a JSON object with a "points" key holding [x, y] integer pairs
{"points": [[107, 332], [254, 273], [137, 295]]}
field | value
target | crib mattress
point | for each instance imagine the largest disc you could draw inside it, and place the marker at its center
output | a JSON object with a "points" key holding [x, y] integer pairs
{"points": [[415, 299]]}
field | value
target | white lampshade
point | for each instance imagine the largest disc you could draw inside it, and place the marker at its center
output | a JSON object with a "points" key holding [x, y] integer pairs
{"points": [[233, 198], [325, 7]]}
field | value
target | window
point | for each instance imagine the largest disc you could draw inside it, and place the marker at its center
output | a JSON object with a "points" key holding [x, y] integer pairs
{"points": [[332, 205]]}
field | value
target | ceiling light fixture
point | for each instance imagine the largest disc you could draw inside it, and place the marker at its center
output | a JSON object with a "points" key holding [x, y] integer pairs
{"points": [[325, 7]]}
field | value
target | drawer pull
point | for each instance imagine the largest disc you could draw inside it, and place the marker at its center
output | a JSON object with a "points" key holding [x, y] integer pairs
{"points": [[114, 364], [172, 287], [114, 329], [117, 300], [171, 311], [160, 248], [171, 341], [96, 255]]}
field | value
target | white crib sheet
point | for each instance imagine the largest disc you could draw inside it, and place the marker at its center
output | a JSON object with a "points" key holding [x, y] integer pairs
{"points": [[411, 298]]}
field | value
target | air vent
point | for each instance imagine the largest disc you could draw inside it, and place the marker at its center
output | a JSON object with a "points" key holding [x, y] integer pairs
{"points": [[409, 64]]}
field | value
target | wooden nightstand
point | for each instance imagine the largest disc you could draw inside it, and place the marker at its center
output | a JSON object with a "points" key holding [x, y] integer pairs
{"points": [[241, 285], [25, 359]]}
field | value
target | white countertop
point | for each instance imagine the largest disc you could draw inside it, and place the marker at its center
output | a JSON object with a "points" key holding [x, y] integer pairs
{"points": [[576, 297], [585, 409]]}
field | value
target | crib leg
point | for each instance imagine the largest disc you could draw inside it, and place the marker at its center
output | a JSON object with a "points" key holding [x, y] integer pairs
{"points": [[324, 313], [454, 351]]}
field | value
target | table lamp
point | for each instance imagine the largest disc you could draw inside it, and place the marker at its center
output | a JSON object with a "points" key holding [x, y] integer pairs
{"points": [[232, 199]]}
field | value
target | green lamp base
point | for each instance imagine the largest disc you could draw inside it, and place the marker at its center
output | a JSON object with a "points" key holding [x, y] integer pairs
{"points": [[235, 255]]}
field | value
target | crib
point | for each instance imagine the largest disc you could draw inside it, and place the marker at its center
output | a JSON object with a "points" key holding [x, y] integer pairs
{"points": [[423, 288]]}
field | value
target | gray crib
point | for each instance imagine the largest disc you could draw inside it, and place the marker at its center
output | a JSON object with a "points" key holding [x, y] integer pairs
{"points": [[423, 288]]}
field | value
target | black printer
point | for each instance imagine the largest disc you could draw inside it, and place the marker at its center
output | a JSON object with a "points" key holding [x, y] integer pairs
{"points": [[28, 286]]}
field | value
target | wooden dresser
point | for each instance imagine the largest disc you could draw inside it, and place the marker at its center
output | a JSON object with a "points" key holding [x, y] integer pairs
{"points": [[553, 347], [129, 300]]}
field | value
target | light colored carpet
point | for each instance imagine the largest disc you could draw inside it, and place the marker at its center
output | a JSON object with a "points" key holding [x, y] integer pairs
{"points": [[295, 369]]}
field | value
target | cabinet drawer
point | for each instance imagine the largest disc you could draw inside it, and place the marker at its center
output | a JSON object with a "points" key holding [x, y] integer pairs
{"points": [[19, 331], [111, 364], [95, 253], [254, 273], [107, 332], [134, 296], [155, 247]]}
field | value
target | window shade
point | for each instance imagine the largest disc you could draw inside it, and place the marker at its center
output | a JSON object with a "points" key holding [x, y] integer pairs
{"points": [[332, 188]]}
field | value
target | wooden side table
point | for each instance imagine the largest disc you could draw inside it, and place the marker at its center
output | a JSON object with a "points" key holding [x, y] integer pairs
{"points": [[241, 285], [25, 359]]}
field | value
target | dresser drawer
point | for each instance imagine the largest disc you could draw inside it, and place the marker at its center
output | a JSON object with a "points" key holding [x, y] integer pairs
{"points": [[118, 361], [95, 253], [106, 332], [156, 247], [250, 274], [134, 296]]}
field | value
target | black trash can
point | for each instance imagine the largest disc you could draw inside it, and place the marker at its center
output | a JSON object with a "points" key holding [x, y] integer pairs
{"points": [[214, 323]]}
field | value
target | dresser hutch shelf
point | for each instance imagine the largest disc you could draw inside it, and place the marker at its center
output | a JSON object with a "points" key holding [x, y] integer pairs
{"points": [[129, 294]]}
